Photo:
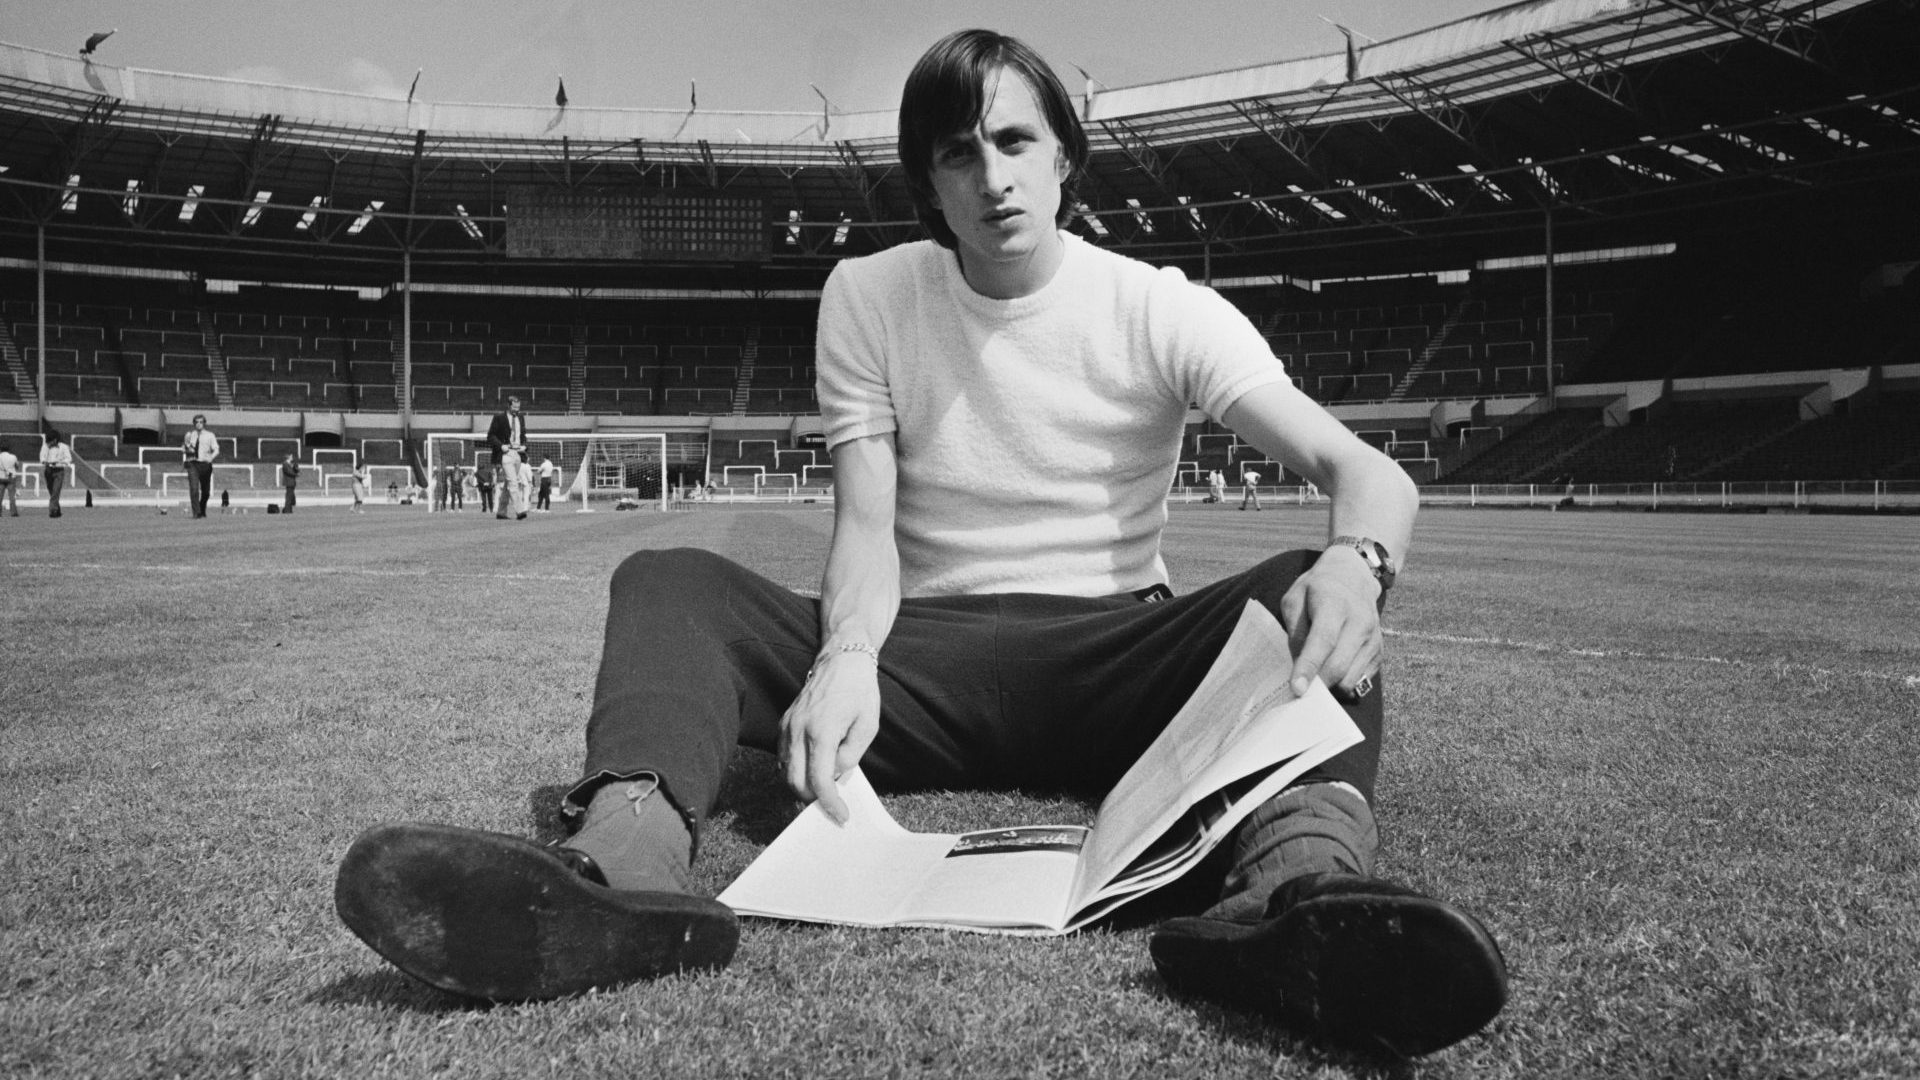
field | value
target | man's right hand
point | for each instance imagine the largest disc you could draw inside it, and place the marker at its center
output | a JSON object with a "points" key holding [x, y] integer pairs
{"points": [[829, 726]]}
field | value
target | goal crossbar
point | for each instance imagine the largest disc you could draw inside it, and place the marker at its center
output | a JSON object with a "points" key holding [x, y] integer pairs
{"points": [[628, 468]]}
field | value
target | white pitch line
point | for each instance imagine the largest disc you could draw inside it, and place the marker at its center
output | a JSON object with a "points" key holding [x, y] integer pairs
{"points": [[289, 571], [1911, 682]]}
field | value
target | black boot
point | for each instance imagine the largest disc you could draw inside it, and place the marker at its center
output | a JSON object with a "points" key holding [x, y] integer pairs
{"points": [[1352, 961], [494, 916]]}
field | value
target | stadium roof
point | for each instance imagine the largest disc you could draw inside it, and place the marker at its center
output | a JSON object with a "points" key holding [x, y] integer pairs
{"points": [[1628, 119]]}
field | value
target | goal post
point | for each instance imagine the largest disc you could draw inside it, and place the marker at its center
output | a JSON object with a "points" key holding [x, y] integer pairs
{"points": [[589, 471]]}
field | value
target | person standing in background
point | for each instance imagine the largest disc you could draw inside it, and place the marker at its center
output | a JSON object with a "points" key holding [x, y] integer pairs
{"points": [[546, 485], [9, 481], [361, 479], [198, 452], [289, 476], [507, 432], [56, 459]]}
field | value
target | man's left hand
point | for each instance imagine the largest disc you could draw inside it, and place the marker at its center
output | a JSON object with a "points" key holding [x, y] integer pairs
{"points": [[1332, 618]]}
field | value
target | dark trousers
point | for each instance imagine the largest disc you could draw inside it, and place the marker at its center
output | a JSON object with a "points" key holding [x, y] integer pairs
{"points": [[56, 478], [546, 493], [288, 507], [1018, 690], [199, 486]]}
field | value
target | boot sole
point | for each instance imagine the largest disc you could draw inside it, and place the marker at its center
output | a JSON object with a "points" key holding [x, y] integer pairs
{"points": [[491, 916], [1403, 976]]}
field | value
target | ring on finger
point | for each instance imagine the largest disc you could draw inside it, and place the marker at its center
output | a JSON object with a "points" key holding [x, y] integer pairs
{"points": [[1363, 687]]}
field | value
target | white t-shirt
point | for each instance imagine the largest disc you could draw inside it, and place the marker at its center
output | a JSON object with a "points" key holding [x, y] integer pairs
{"points": [[9, 465], [1036, 437]]}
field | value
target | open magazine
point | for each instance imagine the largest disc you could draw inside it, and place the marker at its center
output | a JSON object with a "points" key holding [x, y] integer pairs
{"points": [[1240, 739]]}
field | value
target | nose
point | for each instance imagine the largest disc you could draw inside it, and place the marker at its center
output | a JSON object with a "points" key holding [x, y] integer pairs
{"points": [[996, 175]]}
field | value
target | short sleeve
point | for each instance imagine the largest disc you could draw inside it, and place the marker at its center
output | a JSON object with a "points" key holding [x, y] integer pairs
{"points": [[851, 382], [1208, 349]]}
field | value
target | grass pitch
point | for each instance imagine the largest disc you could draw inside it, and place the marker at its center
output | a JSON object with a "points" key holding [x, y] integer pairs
{"points": [[1667, 758]]}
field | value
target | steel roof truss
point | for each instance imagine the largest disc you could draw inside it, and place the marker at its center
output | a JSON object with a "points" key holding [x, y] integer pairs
{"points": [[1440, 110], [1299, 148], [80, 139], [1591, 71], [1786, 26], [255, 156], [853, 170], [1160, 170]]}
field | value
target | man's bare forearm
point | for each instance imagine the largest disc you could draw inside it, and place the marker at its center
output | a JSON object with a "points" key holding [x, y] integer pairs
{"points": [[860, 591]]}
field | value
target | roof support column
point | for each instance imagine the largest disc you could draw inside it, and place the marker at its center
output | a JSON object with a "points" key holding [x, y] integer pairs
{"points": [[406, 343], [40, 312], [1547, 214]]}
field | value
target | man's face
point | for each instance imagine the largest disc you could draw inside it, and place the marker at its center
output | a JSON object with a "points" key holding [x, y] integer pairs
{"points": [[998, 187], [513, 405]]}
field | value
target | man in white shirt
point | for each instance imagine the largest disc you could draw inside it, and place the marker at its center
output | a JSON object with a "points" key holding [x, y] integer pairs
{"points": [[1251, 480], [199, 450], [9, 477], [1005, 407], [545, 502], [56, 461]]}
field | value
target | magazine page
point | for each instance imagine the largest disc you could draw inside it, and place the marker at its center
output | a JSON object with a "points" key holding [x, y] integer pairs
{"points": [[1242, 718], [871, 872], [818, 870], [1204, 827], [1000, 879]]}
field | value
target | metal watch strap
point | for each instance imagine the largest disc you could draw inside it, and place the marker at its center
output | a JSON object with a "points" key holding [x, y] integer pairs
{"points": [[1378, 558]]}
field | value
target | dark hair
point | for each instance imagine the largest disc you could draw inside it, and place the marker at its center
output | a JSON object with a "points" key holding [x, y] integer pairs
{"points": [[947, 92]]}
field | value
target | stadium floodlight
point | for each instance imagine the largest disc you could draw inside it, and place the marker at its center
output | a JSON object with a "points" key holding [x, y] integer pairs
{"points": [[130, 205], [1318, 203], [260, 200], [1846, 139], [70, 201], [1140, 216], [467, 223], [191, 204], [366, 217], [1486, 183], [595, 471], [1092, 219]]}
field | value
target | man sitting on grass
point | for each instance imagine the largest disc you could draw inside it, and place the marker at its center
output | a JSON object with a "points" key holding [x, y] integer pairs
{"points": [[1005, 407]]}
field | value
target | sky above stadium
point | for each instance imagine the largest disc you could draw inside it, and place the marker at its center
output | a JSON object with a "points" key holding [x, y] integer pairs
{"points": [[743, 54]]}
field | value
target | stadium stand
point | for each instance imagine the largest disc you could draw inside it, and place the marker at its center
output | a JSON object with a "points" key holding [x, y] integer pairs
{"points": [[1736, 298]]}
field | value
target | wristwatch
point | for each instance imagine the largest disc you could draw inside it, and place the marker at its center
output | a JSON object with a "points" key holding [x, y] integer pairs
{"points": [[1378, 559]]}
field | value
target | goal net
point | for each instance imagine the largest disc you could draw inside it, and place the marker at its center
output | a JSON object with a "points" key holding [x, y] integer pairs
{"points": [[587, 472]]}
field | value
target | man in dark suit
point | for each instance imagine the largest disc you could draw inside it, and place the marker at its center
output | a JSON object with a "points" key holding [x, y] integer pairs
{"points": [[507, 432]]}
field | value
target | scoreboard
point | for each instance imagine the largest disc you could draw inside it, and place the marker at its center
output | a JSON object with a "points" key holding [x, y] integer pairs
{"points": [[608, 223]]}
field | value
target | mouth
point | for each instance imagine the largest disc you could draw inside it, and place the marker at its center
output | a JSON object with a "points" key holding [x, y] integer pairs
{"points": [[998, 216]]}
